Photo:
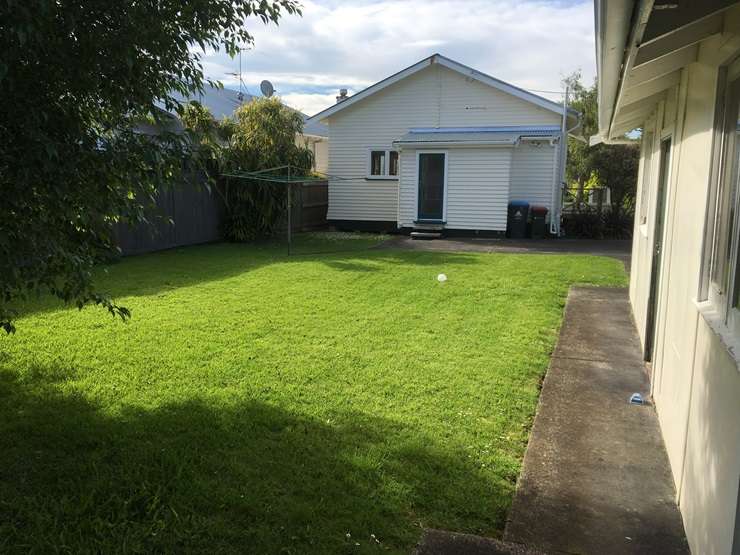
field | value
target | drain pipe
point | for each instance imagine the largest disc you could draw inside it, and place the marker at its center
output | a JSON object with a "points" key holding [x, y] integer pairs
{"points": [[558, 189]]}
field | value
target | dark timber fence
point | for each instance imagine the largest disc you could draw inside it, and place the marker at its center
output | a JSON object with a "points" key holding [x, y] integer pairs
{"points": [[310, 202], [196, 215]]}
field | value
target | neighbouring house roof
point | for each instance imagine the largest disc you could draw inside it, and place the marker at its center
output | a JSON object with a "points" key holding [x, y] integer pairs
{"points": [[454, 66], [641, 49], [222, 103], [503, 136], [314, 128]]}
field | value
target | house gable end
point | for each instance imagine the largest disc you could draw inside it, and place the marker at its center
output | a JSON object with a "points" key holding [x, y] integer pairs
{"points": [[462, 70], [439, 97]]}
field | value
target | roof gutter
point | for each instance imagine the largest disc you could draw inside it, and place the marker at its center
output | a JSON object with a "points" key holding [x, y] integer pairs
{"points": [[638, 25], [613, 22], [458, 144]]}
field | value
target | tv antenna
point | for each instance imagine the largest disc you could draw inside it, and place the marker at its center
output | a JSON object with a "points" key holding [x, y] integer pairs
{"points": [[242, 85]]}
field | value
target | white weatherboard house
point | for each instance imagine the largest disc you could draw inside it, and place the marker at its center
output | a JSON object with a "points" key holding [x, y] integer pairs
{"points": [[441, 145], [672, 69]]}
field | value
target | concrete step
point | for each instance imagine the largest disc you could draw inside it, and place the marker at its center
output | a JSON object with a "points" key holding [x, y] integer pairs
{"points": [[425, 235], [441, 542], [429, 226]]}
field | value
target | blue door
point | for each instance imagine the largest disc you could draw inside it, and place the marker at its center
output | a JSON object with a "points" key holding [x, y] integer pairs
{"points": [[431, 185]]}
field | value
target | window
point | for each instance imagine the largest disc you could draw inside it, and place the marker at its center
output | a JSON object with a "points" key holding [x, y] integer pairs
{"points": [[377, 162], [723, 289], [383, 164], [393, 163]]}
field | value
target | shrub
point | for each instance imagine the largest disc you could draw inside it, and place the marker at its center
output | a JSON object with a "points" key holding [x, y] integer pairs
{"points": [[594, 224], [262, 137]]}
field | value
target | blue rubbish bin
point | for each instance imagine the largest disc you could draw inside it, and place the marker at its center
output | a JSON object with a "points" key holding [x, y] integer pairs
{"points": [[516, 221]]}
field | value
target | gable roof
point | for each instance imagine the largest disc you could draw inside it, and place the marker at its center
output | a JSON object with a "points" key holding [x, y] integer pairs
{"points": [[454, 66]]}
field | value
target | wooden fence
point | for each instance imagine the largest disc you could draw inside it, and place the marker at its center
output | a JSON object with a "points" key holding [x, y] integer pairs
{"points": [[310, 202], [196, 215]]}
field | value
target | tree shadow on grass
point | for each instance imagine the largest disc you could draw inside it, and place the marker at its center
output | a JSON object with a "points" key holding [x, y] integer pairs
{"points": [[221, 477]]}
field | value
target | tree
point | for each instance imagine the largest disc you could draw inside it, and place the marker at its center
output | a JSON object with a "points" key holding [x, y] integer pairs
{"points": [[263, 136], [616, 169], [612, 166], [579, 170], [75, 79]]}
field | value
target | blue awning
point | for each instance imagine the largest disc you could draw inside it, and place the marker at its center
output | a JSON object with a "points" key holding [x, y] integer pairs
{"points": [[493, 136]]}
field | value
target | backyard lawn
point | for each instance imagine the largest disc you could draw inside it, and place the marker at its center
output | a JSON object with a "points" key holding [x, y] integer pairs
{"points": [[336, 402]]}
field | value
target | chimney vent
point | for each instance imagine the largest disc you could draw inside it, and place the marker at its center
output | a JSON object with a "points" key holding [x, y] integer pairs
{"points": [[342, 95]]}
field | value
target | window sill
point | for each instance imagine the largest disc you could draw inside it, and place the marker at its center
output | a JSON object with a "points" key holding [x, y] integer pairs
{"points": [[716, 323], [381, 178]]}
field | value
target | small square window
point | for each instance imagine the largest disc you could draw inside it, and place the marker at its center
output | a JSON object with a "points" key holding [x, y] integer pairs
{"points": [[377, 162], [382, 164], [393, 162]]}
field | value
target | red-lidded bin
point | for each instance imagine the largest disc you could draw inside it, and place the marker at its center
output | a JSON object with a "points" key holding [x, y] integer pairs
{"points": [[539, 217]]}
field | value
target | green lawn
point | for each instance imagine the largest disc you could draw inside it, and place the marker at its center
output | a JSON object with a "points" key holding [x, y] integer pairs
{"points": [[323, 403]]}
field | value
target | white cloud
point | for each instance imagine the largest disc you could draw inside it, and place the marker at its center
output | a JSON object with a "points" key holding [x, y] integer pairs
{"points": [[308, 103], [530, 43]]}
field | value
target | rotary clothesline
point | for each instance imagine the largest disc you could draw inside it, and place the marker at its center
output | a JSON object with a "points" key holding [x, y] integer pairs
{"points": [[288, 178]]}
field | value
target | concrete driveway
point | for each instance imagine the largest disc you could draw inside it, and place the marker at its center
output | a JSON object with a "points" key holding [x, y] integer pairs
{"points": [[620, 249]]}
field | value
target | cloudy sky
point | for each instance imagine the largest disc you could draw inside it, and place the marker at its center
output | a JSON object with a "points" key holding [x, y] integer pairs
{"points": [[355, 43]]}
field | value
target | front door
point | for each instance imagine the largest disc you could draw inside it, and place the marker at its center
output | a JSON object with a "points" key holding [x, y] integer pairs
{"points": [[431, 185], [665, 164]]}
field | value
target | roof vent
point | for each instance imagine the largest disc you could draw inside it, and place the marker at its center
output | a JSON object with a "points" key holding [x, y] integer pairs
{"points": [[342, 95]]}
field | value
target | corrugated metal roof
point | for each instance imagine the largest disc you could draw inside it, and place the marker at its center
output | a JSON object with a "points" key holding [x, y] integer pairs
{"points": [[312, 127], [220, 102], [476, 135]]}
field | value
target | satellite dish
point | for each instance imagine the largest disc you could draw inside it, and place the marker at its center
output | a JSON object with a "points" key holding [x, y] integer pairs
{"points": [[267, 89]]}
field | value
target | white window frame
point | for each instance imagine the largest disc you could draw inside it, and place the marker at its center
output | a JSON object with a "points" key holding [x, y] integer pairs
{"points": [[385, 176], [716, 295], [416, 182]]}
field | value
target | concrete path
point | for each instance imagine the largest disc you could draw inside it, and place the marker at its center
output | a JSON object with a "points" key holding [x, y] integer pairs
{"points": [[596, 477], [440, 542], [602, 247]]}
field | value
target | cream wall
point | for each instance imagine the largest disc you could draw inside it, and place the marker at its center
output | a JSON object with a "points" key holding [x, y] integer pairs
{"points": [[695, 380], [319, 146]]}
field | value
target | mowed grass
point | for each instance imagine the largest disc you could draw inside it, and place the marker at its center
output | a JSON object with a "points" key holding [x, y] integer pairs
{"points": [[323, 403]]}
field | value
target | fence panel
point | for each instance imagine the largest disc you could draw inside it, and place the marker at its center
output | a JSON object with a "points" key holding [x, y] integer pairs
{"points": [[197, 214], [310, 201], [195, 211]]}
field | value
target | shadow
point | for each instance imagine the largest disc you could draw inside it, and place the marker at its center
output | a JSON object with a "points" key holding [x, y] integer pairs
{"points": [[710, 484], [587, 522], [222, 476]]}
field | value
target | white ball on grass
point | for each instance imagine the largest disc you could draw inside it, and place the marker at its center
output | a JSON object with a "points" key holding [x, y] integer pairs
{"points": [[441, 278]]}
